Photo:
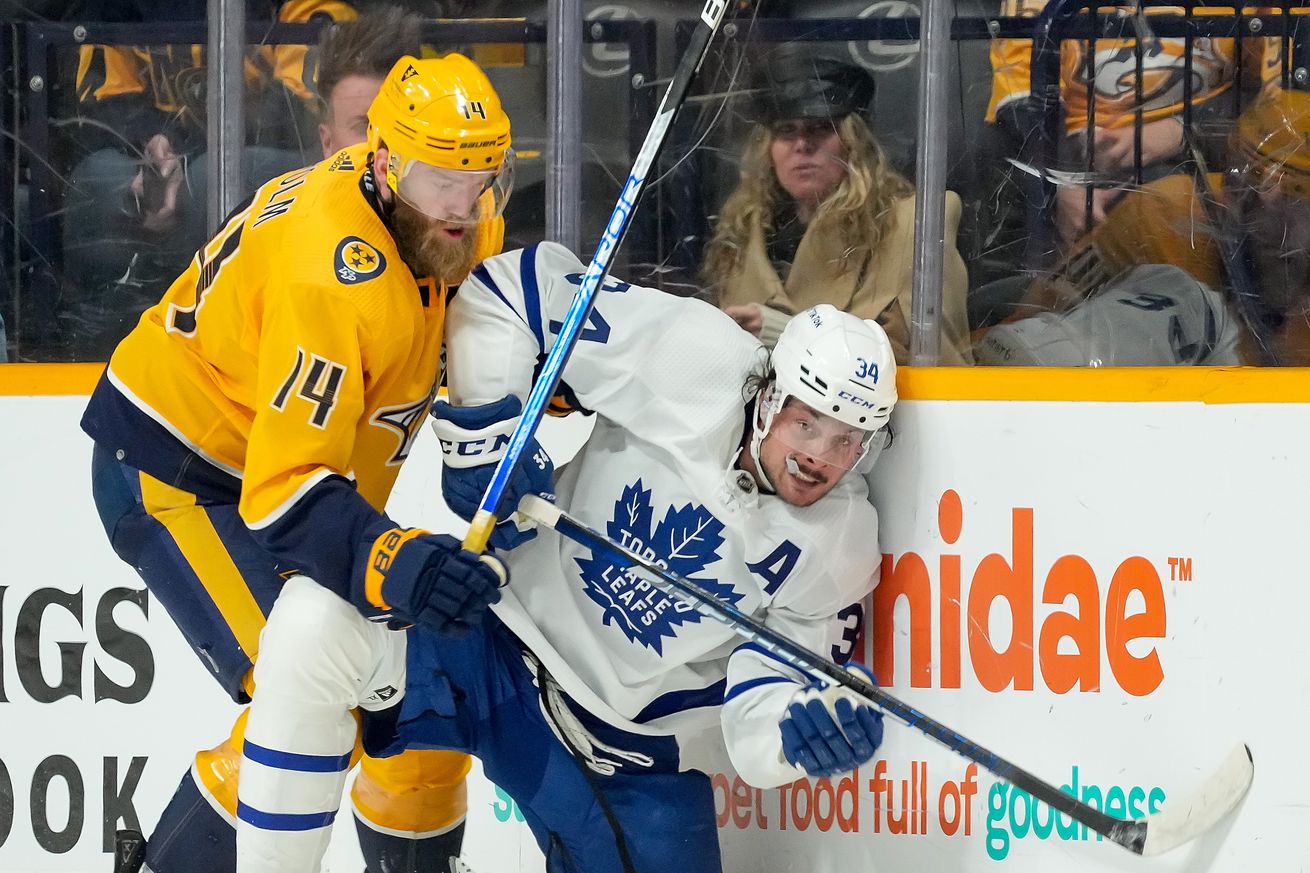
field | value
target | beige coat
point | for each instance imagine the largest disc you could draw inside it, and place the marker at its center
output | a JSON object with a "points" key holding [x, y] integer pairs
{"points": [[880, 291]]}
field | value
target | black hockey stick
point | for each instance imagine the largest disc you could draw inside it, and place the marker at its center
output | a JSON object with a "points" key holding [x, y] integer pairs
{"points": [[1169, 828], [484, 520]]}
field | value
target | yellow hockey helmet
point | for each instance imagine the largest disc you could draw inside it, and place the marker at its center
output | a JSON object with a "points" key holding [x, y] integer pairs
{"points": [[447, 138], [1274, 137]]}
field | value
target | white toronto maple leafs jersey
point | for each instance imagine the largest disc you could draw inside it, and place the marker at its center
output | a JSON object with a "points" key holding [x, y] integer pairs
{"points": [[665, 376]]}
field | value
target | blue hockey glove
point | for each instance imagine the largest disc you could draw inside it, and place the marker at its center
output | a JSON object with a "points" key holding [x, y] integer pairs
{"points": [[473, 440], [429, 580], [831, 730]]}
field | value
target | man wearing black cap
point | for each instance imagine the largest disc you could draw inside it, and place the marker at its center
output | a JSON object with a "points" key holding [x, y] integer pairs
{"points": [[820, 215]]}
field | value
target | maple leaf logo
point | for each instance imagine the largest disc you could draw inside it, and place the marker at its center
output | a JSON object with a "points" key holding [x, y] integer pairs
{"points": [[686, 541]]}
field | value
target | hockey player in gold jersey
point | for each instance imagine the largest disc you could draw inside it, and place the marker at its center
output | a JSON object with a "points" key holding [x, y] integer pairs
{"points": [[250, 428]]}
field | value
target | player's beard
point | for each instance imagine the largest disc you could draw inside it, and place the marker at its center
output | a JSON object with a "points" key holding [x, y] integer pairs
{"points": [[428, 249]]}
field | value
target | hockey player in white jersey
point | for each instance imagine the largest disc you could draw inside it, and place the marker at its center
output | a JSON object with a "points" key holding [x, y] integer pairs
{"points": [[1153, 315], [584, 691]]}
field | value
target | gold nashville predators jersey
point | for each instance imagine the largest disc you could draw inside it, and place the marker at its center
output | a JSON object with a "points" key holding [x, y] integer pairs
{"points": [[1111, 76], [297, 346]]}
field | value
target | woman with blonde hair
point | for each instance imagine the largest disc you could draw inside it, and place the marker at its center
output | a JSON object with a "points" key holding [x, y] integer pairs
{"points": [[821, 216]]}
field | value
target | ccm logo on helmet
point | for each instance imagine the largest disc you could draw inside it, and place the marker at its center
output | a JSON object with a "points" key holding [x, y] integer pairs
{"points": [[858, 401]]}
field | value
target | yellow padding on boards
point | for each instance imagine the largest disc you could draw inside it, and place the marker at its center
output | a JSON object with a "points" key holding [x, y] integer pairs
{"points": [[420, 791], [203, 549]]}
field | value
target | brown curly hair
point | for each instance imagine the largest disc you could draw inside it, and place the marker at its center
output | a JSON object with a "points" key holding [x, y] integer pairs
{"points": [[859, 211]]}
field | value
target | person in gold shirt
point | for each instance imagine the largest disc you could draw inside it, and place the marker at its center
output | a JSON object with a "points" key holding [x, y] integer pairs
{"points": [[249, 430], [133, 207], [820, 215], [1239, 236], [1105, 74]]}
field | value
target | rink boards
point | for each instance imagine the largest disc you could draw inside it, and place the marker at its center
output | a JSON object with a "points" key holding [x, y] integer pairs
{"points": [[1104, 582]]}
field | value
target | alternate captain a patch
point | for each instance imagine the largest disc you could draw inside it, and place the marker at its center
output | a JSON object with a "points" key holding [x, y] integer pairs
{"points": [[357, 261]]}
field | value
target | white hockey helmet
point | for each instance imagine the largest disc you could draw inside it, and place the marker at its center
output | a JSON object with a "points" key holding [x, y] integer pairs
{"points": [[837, 364]]}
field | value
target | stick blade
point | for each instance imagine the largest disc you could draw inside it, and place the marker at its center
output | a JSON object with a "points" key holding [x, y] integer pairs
{"points": [[1180, 823]]}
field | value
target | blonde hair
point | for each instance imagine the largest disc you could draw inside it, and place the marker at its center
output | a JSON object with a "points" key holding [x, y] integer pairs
{"points": [[859, 212]]}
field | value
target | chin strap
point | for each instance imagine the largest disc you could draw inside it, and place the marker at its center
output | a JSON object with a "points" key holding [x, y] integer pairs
{"points": [[759, 430]]}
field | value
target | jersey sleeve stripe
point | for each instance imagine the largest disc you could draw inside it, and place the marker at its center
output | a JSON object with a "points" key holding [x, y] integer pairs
{"points": [[482, 275], [678, 701], [760, 650], [743, 687], [286, 505], [532, 293], [756, 647]]}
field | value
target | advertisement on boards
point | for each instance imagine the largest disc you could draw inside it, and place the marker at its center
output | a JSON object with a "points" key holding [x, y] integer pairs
{"points": [[1108, 595]]}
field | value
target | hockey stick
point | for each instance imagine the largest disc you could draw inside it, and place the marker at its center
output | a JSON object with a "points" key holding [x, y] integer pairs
{"points": [[1169, 828], [580, 310]]}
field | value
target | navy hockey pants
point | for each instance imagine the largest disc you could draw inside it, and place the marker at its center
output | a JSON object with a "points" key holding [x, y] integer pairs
{"points": [[478, 694]]}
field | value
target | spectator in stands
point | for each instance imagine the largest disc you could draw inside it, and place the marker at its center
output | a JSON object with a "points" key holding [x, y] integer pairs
{"points": [[136, 207], [820, 216], [353, 59], [1153, 315], [1245, 233], [1108, 148]]}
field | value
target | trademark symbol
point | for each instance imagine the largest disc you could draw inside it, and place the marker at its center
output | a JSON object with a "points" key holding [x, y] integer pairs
{"points": [[1180, 569]]}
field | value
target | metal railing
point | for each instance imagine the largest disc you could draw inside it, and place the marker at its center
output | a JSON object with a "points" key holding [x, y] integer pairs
{"points": [[1063, 20], [678, 211], [32, 310], [1060, 20]]}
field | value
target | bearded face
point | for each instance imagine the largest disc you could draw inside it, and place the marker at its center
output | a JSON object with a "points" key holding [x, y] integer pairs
{"points": [[432, 247]]}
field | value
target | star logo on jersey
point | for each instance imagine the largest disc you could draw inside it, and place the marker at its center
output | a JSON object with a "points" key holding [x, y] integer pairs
{"points": [[404, 421], [685, 541], [357, 261]]}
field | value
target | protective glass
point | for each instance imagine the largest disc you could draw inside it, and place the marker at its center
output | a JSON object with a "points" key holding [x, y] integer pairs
{"points": [[803, 128], [811, 434], [1268, 176], [464, 197]]}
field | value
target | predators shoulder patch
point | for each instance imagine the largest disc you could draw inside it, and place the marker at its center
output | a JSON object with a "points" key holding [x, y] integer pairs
{"points": [[357, 261]]}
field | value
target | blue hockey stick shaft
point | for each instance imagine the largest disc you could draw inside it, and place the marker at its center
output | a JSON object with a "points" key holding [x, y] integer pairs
{"points": [[1155, 834], [580, 310]]}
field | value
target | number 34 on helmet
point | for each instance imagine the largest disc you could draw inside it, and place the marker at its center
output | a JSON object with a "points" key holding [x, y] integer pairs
{"points": [[447, 138]]}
